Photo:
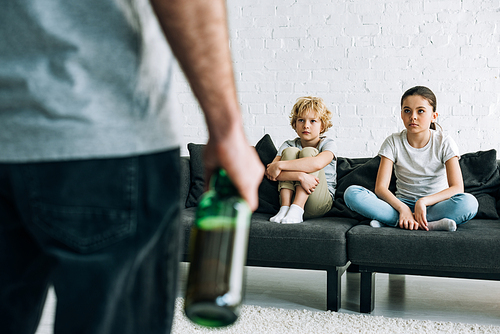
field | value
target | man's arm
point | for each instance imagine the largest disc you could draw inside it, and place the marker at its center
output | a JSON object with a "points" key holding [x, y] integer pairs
{"points": [[197, 33]]}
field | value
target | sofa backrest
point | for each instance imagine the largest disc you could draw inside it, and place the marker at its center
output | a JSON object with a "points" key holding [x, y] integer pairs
{"points": [[186, 175]]}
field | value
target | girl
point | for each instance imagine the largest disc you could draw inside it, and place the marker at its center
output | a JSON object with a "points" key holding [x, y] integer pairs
{"points": [[429, 185], [305, 166]]}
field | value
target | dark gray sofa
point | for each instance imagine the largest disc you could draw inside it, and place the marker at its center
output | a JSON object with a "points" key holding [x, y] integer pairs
{"points": [[316, 244], [344, 238]]}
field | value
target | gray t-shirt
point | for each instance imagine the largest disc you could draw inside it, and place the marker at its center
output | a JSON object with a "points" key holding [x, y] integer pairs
{"points": [[83, 79], [419, 171], [326, 144]]}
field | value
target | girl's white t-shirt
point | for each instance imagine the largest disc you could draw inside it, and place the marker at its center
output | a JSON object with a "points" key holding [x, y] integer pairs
{"points": [[419, 172], [326, 144]]}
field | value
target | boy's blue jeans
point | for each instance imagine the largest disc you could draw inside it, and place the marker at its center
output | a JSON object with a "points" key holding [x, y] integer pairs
{"points": [[460, 207], [103, 232]]}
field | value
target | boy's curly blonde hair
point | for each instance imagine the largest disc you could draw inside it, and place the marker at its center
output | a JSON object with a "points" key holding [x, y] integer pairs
{"points": [[306, 103]]}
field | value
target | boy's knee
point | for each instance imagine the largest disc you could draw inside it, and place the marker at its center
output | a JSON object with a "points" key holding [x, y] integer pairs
{"points": [[290, 153], [308, 152]]}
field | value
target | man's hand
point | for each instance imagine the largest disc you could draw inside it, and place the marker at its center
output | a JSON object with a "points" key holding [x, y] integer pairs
{"points": [[240, 161]]}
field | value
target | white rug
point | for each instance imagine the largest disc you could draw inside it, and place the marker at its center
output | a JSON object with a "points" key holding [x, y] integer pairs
{"points": [[261, 320]]}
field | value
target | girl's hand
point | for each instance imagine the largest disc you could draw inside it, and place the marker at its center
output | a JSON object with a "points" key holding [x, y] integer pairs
{"points": [[421, 214], [309, 182], [273, 171], [406, 220]]}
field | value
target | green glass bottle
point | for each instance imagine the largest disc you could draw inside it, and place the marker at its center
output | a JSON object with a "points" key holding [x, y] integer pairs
{"points": [[218, 250]]}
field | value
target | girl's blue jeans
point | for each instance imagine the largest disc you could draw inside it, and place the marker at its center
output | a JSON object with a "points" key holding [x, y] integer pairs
{"points": [[460, 207]]}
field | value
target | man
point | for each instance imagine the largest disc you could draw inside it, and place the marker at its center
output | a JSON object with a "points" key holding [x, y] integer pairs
{"points": [[89, 159]]}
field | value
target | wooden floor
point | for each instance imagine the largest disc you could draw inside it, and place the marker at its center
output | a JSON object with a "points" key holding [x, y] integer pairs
{"points": [[408, 297]]}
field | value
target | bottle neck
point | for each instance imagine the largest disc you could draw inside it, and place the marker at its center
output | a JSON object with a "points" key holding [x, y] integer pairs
{"points": [[222, 184]]}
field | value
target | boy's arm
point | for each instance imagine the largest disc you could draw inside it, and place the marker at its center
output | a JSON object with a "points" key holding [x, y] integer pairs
{"points": [[307, 181], [275, 174], [270, 172], [304, 165]]}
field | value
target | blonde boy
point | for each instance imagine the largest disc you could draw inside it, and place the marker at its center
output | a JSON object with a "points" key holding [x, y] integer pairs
{"points": [[305, 166]]}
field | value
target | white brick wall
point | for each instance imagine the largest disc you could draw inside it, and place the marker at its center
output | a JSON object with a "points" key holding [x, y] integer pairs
{"points": [[360, 56]]}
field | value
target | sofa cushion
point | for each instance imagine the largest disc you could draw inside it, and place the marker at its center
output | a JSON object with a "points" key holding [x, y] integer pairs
{"points": [[318, 241], [315, 242], [187, 219], [474, 247]]}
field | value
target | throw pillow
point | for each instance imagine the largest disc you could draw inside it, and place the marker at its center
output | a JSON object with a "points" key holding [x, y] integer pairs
{"points": [[362, 172], [487, 207], [482, 179], [480, 172], [196, 169], [268, 190]]}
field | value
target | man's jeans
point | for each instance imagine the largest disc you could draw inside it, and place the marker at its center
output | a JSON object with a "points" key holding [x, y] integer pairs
{"points": [[460, 207], [103, 232]]}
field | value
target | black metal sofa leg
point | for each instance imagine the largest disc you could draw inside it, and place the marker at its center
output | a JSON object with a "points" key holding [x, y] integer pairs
{"points": [[333, 288], [367, 292]]}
